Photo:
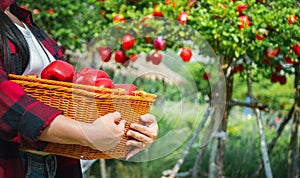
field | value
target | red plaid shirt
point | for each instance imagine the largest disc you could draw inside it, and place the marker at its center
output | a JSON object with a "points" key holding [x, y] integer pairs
{"points": [[22, 118]]}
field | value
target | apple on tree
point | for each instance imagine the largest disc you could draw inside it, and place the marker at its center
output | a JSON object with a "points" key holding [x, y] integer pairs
{"points": [[206, 76], [272, 52], [105, 53], [156, 11], [292, 19], [244, 22], [296, 49], [118, 18], [155, 58], [120, 56], [274, 77], [261, 34], [183, 17], [282, 79], [127, 41], [186, 54], [133, 57], [147, 39], [241, 8], [159, 43]]}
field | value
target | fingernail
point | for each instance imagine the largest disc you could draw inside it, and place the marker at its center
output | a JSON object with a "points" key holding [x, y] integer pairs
{"points": [[123, 121], [143, 116], [132, 125], [128, 133]]}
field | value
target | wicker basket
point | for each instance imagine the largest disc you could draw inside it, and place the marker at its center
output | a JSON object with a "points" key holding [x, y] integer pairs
{"points": [[86, 103]]}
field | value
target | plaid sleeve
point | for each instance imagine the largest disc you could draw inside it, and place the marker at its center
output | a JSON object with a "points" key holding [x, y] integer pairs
{"points": [[22, 118]]}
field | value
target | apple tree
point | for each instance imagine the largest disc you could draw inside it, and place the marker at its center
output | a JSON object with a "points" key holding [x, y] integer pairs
{"points": [[251, 38]]}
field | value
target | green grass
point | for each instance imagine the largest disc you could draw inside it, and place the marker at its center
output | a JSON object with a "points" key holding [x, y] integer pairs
{"points": [[241, 158]]}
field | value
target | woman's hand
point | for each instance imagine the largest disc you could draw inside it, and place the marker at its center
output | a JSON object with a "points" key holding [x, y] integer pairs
{"points": [[103, 134], [143, 134]]}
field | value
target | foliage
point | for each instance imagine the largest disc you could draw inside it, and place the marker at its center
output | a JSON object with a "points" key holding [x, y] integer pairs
{"points": [[275, 96]]}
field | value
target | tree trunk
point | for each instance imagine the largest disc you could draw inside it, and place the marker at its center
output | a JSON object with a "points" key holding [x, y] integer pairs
{"points": [[293, 153], [223, 127]]}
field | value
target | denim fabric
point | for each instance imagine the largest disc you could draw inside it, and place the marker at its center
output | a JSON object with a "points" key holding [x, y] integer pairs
{"points": [[39, 166]]}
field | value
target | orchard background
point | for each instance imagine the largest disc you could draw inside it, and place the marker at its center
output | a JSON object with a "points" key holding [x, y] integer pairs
{"points": [[257, 43]]}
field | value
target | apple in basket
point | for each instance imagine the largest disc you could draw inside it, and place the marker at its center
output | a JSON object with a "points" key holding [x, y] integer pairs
{"points": [[129, 88], [59, 70], [93, 77]]}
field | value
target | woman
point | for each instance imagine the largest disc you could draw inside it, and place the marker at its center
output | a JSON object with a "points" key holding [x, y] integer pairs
{"points": [[26, 122]]}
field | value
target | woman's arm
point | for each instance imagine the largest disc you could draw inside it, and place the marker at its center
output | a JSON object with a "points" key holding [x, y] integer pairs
{"points": [[102, 134]]}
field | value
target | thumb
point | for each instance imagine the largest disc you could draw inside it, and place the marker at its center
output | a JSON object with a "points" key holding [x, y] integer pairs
{"points": [[121, 125], [112, 117]]}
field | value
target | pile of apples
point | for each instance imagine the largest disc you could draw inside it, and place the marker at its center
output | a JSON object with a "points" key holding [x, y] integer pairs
{"points": [[62, 71]]}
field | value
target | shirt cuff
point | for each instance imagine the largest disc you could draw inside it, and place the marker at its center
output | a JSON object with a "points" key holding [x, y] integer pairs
{"points": [[37, 117]]}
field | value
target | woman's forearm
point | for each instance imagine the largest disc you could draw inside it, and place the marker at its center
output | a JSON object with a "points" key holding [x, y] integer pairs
{"points": [[65, 131]]}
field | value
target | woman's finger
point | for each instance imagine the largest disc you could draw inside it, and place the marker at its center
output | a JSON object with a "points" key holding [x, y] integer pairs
{"points": [[139, 136], [148, 131], [132, 152]]}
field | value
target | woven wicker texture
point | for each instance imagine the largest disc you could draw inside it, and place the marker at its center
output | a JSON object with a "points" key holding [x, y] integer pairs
{"points": [[86, 103]]}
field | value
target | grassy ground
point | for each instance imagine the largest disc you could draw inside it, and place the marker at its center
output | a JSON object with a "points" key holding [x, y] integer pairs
{"points": [[242, 148]]}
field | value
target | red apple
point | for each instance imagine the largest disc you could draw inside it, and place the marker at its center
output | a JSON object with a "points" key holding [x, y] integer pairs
{"points": [[186, 54], [292, 19], [296, 49], [272, 52], [127, 41], [288, 60], [156, 58], [206, 76], [51, 11], [105, 53], [24, 7], [274, 77], [36, 11], [120, 56], [133, 57], [241, 8], [104, 83], [147, 39], [238, 68], [183, 17], [282, 79], [118, 18], [159, 43], [261, 34], [156, 11], [244, 22], [88, 76]]}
